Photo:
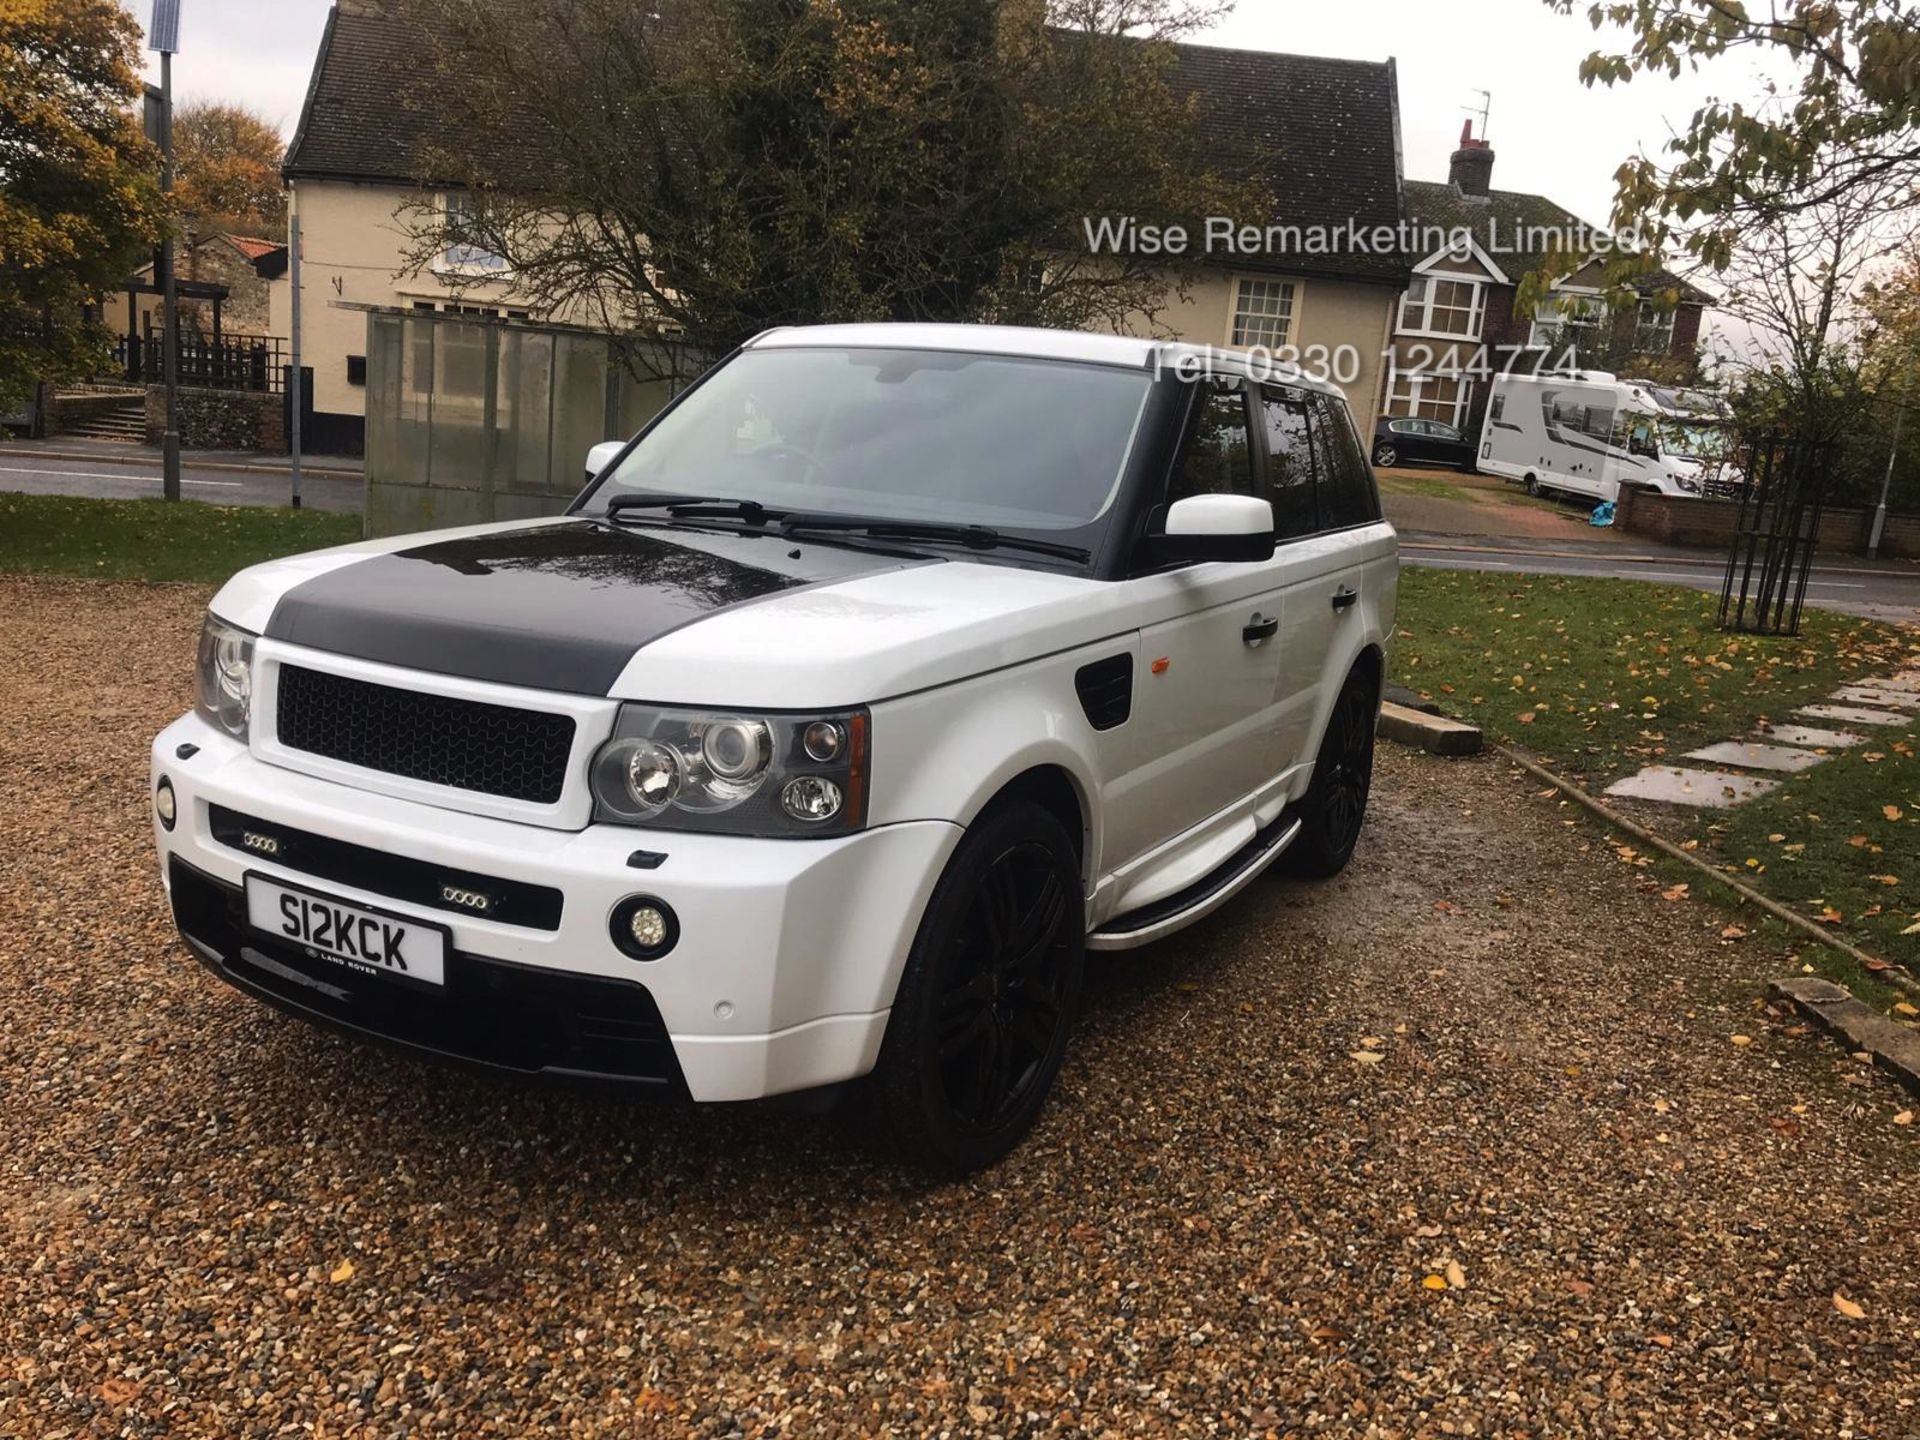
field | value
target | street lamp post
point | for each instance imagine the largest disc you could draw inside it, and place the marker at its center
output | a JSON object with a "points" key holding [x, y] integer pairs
{"points": [[163, 35]]}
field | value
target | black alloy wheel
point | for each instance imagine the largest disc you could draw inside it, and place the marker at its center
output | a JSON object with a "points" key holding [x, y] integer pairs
{"points": [[980, 1023], [1335, 806]]}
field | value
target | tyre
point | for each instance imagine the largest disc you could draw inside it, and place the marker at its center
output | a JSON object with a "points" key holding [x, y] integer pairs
{"points": [[980, 1022], [1335, 806], [1386, 457], [1533, 485]]}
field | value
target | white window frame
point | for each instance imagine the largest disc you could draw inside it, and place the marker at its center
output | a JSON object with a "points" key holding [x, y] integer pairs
{"points": [[1650, 317], [1550, 324], [1416, 317], [1405, 394], [1240, 321], [466, 260]]}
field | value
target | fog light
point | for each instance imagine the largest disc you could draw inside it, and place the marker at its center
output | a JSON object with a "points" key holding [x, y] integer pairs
{"points": [[644, 927], [163, 804], [811, 797]]}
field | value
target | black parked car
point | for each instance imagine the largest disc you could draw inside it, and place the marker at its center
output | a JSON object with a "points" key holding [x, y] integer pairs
{"points": [[1398, 440]]}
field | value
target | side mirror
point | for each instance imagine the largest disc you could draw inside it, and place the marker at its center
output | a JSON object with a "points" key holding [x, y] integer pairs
{"points": [[1232, 528], [603, 455]]}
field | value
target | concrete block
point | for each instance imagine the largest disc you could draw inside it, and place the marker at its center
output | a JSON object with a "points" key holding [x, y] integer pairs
{"points": [[1435, 734], [1894, 1047]]}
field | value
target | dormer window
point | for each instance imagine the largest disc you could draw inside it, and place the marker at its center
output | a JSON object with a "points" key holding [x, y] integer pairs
{"points": [[1448, 308]]}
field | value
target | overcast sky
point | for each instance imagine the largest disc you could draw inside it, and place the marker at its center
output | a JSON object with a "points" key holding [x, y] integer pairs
{"points": [[1551, 134]]}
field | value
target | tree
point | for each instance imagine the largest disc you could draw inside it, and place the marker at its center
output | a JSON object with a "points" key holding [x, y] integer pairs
{"points": [[79, 193], [227, 169], [1847, 121], [700, 172]]}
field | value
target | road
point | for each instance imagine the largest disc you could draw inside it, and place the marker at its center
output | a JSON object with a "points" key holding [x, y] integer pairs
{"points": [[112, 479], [1855, 587]]}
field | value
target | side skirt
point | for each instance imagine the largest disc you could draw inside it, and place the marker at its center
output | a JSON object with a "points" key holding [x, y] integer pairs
{"points": [[1204, 896]]}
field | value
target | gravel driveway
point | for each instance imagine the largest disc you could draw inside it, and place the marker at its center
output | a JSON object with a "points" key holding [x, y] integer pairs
{"points": [[218, 1222]]}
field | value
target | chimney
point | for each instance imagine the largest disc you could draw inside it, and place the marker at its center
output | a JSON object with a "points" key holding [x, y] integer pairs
{"points": [[1471, 169]]}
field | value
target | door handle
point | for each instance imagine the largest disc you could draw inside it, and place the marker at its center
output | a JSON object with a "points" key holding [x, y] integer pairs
{"points": [[1259, 630], [1343, 597]]}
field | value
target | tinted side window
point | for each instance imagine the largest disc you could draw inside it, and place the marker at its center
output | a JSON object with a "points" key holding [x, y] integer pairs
{"points": [[1218, 458], [1290, 461], [1345, 487]]}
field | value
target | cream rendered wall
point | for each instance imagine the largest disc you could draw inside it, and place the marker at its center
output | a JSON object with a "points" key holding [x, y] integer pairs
{"points": [[1330, 313], [353, 245]]}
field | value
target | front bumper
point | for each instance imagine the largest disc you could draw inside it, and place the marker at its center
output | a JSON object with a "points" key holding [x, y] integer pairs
{"points": [[788, 955]]}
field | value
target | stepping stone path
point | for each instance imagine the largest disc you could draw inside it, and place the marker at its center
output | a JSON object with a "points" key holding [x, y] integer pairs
{"points": [[1782, 749]]}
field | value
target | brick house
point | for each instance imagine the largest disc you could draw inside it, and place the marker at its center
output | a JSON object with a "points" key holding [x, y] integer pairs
{"points": [[1456, 327]]}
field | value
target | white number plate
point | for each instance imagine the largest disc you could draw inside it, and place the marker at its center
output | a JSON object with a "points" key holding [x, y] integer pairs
{"points": [[348, 934]]}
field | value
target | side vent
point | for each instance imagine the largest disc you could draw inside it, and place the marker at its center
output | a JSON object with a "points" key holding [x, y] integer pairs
{"points": [[1106, 691]]}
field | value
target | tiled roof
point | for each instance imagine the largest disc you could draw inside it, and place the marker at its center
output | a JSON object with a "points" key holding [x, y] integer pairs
{"points": [[1507, 224], [252, 246], [1321, 134]]}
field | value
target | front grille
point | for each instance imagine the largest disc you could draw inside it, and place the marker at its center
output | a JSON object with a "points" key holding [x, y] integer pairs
{"points": [[467, 744], [509, 1017]]}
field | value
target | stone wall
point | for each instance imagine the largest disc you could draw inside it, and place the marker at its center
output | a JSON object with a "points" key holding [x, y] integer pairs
{"points": [[221, 419], [1678, 520]]}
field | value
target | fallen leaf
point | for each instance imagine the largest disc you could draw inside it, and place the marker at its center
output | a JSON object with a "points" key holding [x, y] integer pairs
{"points": [[1367, 1057], [1875, 965], [1428, 1232], [1847, 1308], [1892, 812], [1434, 1282], [1743, 1040], [1905, 1117], [342, 1272], [1582, 1288], [1901, 1007], [1885, 879], [1525, 717], [1662, 1106], [1734, 932], [1859, 842], [1665, 1342], [1447, 907], [1456, 1276], [117, 1391]]}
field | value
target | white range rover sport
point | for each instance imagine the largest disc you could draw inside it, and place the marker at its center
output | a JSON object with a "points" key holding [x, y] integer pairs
{"points": [[887, 672]]}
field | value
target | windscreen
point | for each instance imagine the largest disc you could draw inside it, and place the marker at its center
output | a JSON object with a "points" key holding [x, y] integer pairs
{"points": [[903, 434]]}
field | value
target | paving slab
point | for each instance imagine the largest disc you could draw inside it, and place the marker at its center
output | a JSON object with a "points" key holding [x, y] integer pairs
{"points": [[1753, 756], [1704, 789], [1887, 699], [1905, 680], [1854, 715], [1811, 737]]}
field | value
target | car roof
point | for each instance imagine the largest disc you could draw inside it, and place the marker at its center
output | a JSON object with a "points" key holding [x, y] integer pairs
{"points": [[1033, 342]]}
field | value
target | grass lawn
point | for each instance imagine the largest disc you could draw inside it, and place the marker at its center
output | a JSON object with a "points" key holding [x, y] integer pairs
{"points": [[1599, 677], [154, 540], [1422, 485]]}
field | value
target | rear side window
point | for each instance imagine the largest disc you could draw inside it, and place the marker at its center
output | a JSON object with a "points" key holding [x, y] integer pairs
{"points": [[1218, 458], [1345, 485], [1290, 462]]}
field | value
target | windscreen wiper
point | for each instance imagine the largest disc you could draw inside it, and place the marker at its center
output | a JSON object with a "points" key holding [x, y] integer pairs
{"points": [[974, 537], [694, 507]]}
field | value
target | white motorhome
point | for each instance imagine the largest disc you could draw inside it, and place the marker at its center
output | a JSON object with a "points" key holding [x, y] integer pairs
{"points": [[1588, 434]]}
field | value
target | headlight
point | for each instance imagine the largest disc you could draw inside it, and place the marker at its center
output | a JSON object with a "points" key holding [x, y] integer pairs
{"points": [[767, 775], [1692, 487], [225, 676]]}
